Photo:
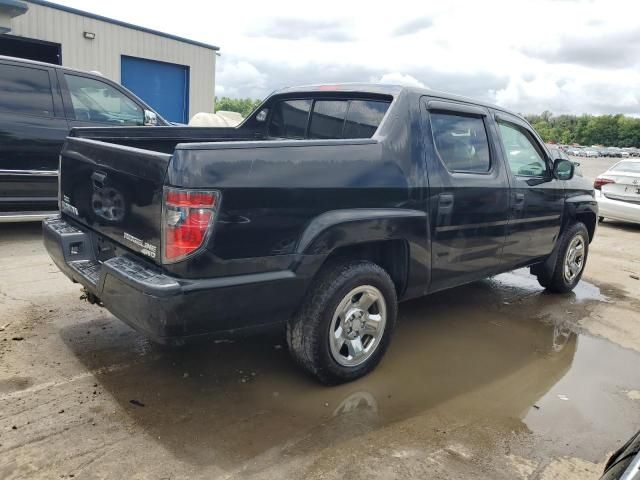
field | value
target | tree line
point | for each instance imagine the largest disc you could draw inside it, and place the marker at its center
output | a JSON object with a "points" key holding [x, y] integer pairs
{"points": [[608, 130], [243, 106]]}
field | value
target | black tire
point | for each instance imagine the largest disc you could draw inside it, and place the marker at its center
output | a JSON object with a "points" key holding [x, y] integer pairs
{"points": [[600, 219], [308, 330], [553, 277]]}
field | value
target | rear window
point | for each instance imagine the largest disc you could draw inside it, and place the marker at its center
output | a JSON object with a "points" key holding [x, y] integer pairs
{"points": [[326, 119], [633, 167], [461, 142], [289, 119], [25, 90]]}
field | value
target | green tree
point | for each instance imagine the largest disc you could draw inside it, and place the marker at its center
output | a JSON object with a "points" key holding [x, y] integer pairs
{"points": [[243, 106], [608, 130]]}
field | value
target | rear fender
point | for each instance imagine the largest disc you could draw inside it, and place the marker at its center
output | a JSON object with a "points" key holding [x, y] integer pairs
{"points": [[343, 228]]}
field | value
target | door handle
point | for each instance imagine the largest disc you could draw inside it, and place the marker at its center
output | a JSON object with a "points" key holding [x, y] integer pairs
{"points": [[518, 203], [445, 203]]}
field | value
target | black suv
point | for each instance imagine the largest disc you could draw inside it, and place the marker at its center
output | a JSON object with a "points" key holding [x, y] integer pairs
{"points": [[39, 104]]}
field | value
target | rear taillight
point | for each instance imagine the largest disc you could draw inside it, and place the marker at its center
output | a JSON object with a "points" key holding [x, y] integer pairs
{"points": [[600, 181], [188, 217]]}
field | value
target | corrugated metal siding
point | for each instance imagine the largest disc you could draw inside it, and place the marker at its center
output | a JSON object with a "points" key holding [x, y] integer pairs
{"points": [[104, 52]]}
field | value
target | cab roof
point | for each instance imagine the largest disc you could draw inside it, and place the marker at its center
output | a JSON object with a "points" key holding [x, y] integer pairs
{"points": [[388, 89]]}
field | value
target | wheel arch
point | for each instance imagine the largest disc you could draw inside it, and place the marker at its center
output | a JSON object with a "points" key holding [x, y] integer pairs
{"points": [[385, 237], [584, 209]]}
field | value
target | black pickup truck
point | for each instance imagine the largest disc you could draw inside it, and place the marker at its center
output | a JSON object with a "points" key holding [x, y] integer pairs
{"points": [[321, 211]]}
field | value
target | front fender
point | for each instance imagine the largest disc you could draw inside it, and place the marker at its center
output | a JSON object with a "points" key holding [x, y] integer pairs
{"points": [[582, 203]]}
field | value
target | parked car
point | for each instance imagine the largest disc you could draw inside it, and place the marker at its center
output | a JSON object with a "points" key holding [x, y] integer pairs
{"points": [[624, 464], [590, 153], [575, 151], [618, 192], [39, 104], [329, 205]]}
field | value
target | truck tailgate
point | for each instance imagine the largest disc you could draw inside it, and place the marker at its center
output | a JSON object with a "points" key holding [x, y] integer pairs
{"points": [[115, 190]]}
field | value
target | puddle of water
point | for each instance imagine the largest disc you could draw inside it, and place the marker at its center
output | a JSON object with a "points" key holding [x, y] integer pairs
{"points": [[521, 281], [477, 351]]}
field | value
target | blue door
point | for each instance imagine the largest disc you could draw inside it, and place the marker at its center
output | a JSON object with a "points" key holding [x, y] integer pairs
{"points": [[164, 86]]}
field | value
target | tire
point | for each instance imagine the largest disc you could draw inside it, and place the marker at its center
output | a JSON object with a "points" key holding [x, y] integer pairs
{"points": [[600, 219], [332, 291], [554, 278]]}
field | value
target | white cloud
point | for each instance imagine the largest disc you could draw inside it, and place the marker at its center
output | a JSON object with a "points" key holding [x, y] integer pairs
{"points": [[240, 78], [530, 55], [580, 93], [397, 78]]}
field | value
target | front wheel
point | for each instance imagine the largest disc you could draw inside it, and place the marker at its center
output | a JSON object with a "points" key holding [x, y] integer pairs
{"points": [[566, 272], [344, 325]]}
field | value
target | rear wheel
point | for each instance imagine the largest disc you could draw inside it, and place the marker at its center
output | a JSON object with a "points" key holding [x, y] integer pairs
{"points": [[344, 325], [565, 273]]}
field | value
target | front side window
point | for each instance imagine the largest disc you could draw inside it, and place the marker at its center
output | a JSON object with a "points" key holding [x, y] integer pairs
{"points": [[289, 119], [97, 101], [461, 142], [25, 90], [524, 158]]}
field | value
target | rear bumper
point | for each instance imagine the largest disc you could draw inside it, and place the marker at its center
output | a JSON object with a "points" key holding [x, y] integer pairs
{"points": [[165, 308], [617, 210]]}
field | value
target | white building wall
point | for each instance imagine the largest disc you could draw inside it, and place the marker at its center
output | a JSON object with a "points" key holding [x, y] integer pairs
{"points": [[104, 52]]}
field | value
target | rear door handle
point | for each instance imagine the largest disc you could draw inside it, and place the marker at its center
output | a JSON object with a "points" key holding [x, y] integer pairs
{"points": [[518, 202], [445, 203]]}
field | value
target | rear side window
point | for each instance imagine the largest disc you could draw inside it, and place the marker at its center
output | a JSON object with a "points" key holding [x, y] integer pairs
{"points": [[289, 119], [363, 118], [25, 90], [461, 142]]}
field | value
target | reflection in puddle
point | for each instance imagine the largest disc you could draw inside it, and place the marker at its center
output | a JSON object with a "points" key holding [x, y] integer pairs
{"points": [[478, 350]]}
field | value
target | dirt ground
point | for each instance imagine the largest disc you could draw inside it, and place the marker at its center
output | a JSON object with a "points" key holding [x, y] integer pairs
{"points": [[496, 379]]}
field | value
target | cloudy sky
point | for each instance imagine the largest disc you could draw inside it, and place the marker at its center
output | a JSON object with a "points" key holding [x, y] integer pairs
{"points": [[567, 56]]}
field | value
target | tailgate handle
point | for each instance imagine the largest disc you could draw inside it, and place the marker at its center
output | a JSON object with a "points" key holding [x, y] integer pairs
{"points": [[98, 179]]}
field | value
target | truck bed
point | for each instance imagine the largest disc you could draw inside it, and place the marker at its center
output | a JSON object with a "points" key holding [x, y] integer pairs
{"points": [[163, 139]]}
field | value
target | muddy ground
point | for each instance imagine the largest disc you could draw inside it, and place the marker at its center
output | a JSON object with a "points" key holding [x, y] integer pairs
{"points": [[496, 379]]}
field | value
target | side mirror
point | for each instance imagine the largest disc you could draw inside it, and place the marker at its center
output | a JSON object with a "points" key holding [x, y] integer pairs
{"points": [[563, 169], [150, 118]]}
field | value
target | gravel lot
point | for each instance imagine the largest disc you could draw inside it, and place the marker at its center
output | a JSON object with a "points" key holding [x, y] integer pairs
{"points": [[492, 380]]}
